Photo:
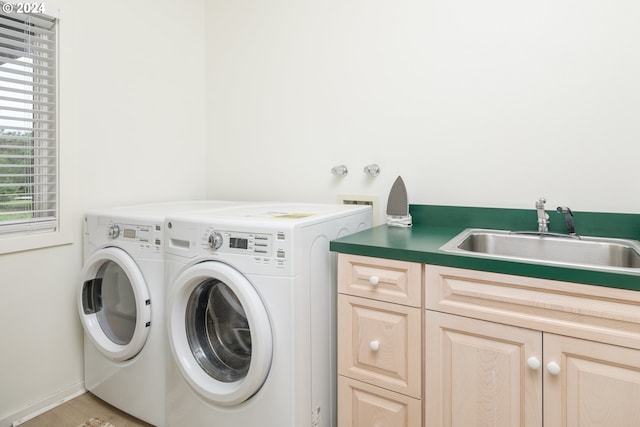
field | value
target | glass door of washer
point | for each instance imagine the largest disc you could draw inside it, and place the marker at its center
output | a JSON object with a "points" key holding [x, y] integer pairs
{"points": [[114, 304], [220, 332]]}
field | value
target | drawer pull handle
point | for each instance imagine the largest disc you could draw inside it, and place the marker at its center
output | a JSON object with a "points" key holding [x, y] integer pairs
{"points": [[553, 368], [374, 345], [374, 280], [533, 363]]}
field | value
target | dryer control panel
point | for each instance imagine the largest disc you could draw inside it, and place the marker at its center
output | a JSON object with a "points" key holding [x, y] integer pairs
{"points": [[139, 238]]}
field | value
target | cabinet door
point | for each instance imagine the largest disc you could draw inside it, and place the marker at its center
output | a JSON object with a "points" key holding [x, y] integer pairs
{"points": [[593, 385], [477, 373], [364, 405], [380, 344]]}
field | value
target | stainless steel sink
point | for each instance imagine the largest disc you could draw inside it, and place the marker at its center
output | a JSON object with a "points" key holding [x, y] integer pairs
{"points": [[582, 251]]}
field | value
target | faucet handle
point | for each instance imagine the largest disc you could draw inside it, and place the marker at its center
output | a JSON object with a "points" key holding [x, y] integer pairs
{"points": [[543, 216]]}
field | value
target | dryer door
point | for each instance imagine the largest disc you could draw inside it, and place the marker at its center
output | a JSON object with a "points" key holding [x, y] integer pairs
{"points": [[114, 304], [219, 332]]}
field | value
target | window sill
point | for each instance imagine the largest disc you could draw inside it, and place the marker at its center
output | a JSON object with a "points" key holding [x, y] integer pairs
{"points": [[20, 243]]}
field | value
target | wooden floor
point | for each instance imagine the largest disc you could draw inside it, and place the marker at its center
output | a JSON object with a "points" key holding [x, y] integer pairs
{"points": [[81, 409]]}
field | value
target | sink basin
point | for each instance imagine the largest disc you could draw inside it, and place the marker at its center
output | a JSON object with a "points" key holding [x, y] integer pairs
{"points": [[585, 251]]}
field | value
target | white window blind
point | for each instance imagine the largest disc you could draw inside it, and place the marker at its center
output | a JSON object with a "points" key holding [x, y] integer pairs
{"points": [[28, 136]]}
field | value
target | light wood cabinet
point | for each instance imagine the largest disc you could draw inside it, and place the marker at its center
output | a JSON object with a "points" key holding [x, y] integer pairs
{"points": [[364, 405], [484, 364], [381, 279], [380, 319], [598, 384], [475, 375], [432, 346], [380, 344]]}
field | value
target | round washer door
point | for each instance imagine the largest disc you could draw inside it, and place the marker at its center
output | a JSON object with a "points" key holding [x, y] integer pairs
{"points": [[219, 332], [114, 304]]}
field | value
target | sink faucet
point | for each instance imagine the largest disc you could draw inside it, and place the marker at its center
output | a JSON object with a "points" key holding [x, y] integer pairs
{"points": [[543, 217], [568, 218]]}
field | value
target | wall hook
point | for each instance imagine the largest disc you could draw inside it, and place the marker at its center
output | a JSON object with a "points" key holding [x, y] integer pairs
{"points": [[372, 169], [340, 170]]}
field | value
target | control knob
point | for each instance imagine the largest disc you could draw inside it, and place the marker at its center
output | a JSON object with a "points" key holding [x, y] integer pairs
{"points": [[215, 240], [114, 231]]}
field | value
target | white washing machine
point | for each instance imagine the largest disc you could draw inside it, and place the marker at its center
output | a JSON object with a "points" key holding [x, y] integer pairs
{"points": [[121, 305], [251, 314]]}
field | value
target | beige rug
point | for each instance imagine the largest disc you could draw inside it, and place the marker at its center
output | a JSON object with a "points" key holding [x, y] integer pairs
{"points": [[96, 422]]}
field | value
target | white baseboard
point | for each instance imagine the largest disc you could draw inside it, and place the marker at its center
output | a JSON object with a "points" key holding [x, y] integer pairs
{"points": [[40, 407]]}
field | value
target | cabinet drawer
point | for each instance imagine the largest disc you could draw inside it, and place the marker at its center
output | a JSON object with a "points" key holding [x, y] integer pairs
{"points": [[590, 312], [364, 405], [382, 279], [380, 343]]}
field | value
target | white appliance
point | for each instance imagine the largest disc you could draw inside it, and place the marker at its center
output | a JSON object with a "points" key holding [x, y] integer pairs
{"points": [[251, 314], [121, 305]]}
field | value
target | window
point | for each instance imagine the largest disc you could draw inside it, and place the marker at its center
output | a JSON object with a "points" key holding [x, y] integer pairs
{"points": [[28, 123]]}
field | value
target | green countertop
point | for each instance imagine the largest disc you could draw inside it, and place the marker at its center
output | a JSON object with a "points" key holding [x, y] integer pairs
{"points": [[433, 226]]}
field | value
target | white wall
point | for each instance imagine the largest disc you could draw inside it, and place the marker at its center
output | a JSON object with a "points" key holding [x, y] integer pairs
{"points": [[132, 131], [487, 103]]}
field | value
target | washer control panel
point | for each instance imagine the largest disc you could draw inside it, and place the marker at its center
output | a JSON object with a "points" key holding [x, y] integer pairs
{"points": [[238, 242]]}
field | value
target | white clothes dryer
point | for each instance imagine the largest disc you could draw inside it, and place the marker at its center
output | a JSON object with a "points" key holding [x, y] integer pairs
{"points": [[251, 314], [121, 305]]}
